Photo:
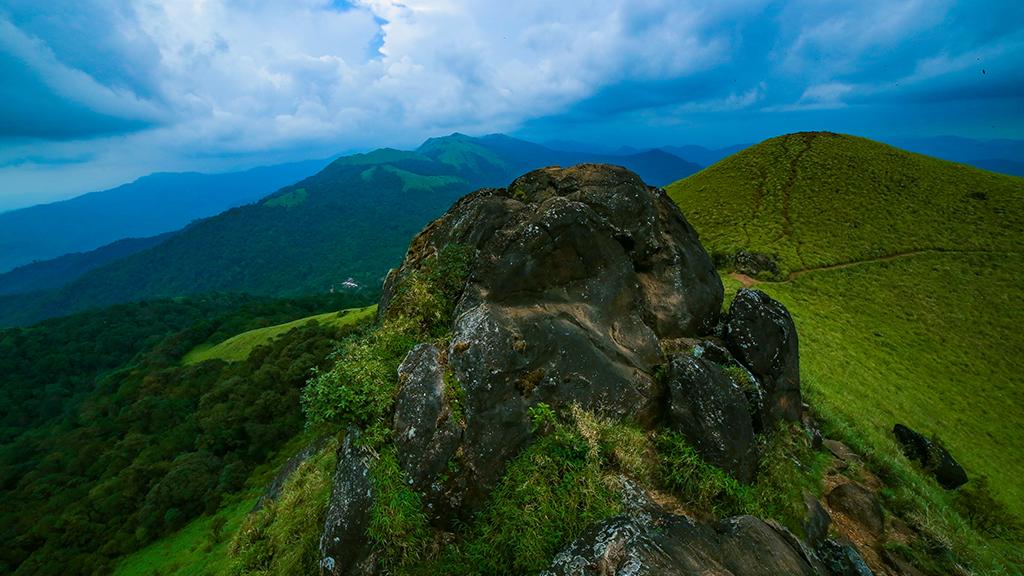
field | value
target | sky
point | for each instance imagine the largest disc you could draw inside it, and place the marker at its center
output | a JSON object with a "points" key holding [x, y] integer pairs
{"points": [[94, 93]]}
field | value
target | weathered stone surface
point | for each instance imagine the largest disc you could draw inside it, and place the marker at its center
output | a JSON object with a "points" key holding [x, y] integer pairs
{"points": [[678, 546], [578, 274], [707, 407], [760, 333], [344, 548], [932, 456], [859, 504], [816, 521], [842, 559], [425, 430]]}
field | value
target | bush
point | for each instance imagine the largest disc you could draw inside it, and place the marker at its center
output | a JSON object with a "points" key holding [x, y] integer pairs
{"points": [[360, 389]]}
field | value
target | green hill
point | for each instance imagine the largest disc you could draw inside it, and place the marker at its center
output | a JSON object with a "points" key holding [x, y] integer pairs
{"points": [[354, 219], [239, 346], [903, 273], [818, 199]]}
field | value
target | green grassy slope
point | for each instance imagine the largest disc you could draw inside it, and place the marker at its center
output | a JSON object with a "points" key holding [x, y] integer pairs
{"points": [[239, 346], [819, 199], [902, 272]]}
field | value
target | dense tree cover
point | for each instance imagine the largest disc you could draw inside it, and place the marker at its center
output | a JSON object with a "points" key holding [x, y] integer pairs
{"points": [[54, 273], [47, 366], [150, 446]]}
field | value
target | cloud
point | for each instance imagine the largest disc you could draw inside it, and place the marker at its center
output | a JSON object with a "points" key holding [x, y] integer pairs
{"points": [[156, 84]]}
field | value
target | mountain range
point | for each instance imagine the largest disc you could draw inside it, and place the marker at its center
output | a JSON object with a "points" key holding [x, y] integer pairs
{"points": [[149, 206], [350, 221]]}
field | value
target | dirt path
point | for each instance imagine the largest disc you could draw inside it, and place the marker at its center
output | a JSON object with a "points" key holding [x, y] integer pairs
{"points": [[747, 281]]}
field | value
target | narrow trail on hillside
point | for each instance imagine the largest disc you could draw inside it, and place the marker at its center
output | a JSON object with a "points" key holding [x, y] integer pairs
{"points": [[787, 192], [748, 281]]}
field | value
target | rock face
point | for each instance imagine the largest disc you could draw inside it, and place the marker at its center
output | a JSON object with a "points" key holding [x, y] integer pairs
{"points": [[678, 546], [578, 276], [760, 333], [344, 548], [711, 410], [425, 430], [932, 456]]}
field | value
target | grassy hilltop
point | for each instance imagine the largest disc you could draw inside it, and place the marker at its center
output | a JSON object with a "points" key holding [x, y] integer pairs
{"points": [[902, 272]]}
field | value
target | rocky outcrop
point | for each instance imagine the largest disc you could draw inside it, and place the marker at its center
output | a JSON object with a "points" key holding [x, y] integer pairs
{"points": [[932, 456], [586, 289], [425, 429], [577, 277], [675, 545], [344, 547], [760, 333]]}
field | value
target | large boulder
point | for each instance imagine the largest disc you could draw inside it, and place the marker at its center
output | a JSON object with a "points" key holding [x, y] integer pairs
{"points": [[710, 409], [578, 274], [344, 547], [761, 334], [932, 456], [673, 545]]}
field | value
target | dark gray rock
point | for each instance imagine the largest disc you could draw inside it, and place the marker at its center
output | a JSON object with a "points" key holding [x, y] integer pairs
{"points": [[860, 504], [755, 264], [678, 546], [425, 430], [578, 274], [816, 521], [842, 559], [344, 547], [932, 456], [760, 333], [707, 407]]}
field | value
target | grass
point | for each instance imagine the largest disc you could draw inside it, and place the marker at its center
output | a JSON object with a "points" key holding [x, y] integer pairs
{"points": [[550, 493], [903, 276], [288, 199], [930, 341], [283, 537], [412, 182], [198, 549], [902, 273], [820, 199], [212, 545], [238, 347]]}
